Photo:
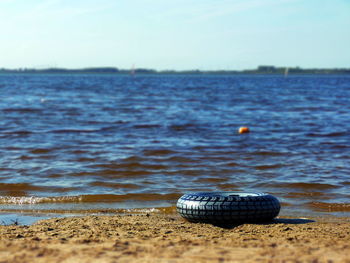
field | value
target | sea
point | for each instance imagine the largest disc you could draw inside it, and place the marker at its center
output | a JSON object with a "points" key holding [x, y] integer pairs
{"points": [[103, 143]]}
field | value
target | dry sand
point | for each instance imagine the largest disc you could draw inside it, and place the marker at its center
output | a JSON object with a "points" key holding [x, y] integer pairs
{"points": [[169, 238]]}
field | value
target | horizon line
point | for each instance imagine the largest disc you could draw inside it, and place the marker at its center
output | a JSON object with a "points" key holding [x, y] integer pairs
{"points": [[260, 67]]}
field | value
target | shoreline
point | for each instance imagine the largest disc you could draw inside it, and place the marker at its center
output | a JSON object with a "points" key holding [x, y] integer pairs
{"points": [[166, 237], [30, 216]]}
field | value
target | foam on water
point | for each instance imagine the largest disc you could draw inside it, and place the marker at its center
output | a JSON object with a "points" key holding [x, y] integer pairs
{"points": [[21, 200]]}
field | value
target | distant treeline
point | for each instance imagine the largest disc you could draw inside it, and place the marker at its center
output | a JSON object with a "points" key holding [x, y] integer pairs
{"points": [[112, 70]]}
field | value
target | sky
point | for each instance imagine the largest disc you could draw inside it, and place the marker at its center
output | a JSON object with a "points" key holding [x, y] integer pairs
{"points": [[177, 34]]}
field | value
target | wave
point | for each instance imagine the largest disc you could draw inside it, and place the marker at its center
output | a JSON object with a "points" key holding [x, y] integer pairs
{"points": [[111, 173], [329, 207], [115, 185], [17, 132], [75, 131], [309, 195], [212, 180], [185, 127], [331, 134], [303, 186], [147, 126], [103, 198], [131, 166], [22, 110], [267, 166], [90, 211], [268, 153], [25, 187], [158, 152]]}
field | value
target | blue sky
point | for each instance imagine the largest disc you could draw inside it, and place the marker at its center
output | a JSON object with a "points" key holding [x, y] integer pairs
{"points": [[178, 34]]}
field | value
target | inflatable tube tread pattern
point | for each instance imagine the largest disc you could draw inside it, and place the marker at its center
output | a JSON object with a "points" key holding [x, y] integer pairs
{"points": [[218, 209]]}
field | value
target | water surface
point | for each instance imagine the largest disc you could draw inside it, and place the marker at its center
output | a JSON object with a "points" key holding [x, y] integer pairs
{"points": [[80, 142]]}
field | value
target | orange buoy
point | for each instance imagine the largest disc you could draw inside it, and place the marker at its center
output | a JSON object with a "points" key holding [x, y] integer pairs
{"points": [[243, 130]]}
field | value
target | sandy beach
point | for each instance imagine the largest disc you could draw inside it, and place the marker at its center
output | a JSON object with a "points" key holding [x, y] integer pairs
{"points": [[158, 237]]}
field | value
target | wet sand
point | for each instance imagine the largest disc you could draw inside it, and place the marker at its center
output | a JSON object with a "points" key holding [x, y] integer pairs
{"points": [[168, 238]]}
